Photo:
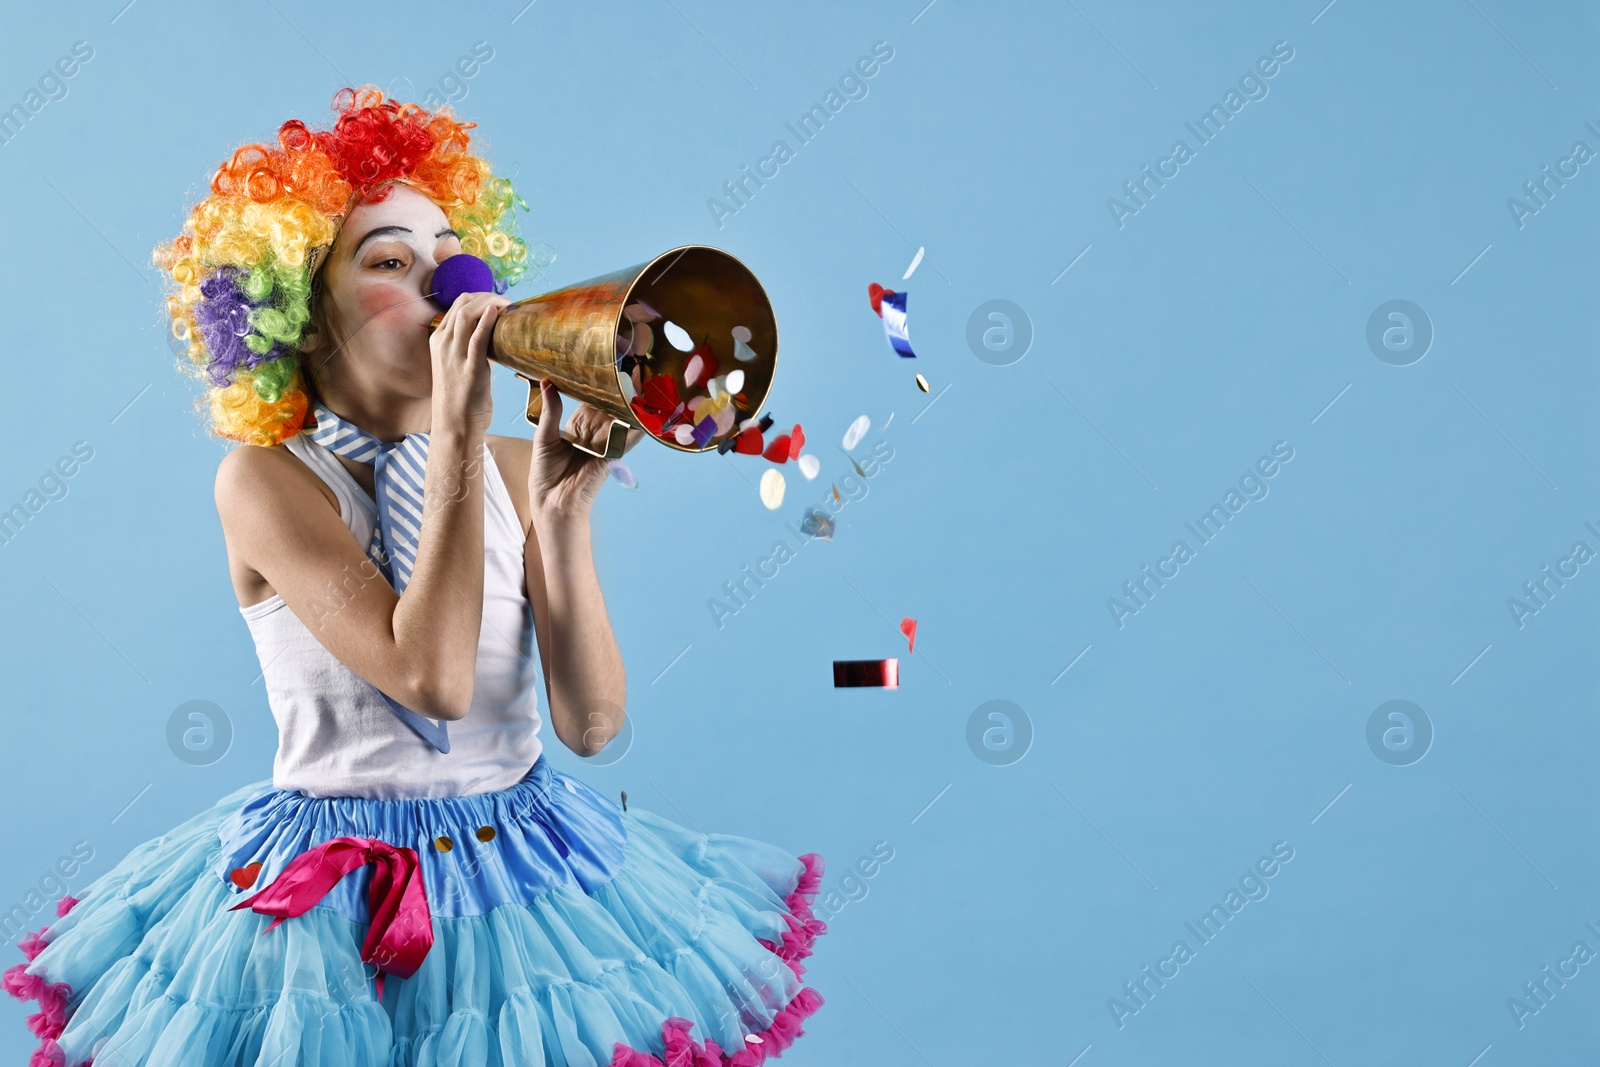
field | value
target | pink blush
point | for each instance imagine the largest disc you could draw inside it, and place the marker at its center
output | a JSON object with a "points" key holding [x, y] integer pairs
{"points": [[376, 299]]}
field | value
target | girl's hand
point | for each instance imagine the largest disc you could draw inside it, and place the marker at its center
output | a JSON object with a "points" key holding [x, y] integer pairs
{"points": [[460, 348], [563, 479]]}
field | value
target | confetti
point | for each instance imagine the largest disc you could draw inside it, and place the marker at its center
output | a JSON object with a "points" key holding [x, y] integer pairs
{"points": [[706, 399], [875, 295], [660, 394], [909, 628], [622, 474], [818, 524], [704, 430], [797, 441], [749, 442], [644, 339], [856, 432], [880, 673], [809, 466], [894, 324], [245, 877], [917, 259], [677, 336], [701, 366], [922, 383], [624, 800], [772, 489], [778, 451], [835, 494]]}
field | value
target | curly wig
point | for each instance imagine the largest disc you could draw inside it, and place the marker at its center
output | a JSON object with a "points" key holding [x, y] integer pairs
{"points": [[243, 267]]}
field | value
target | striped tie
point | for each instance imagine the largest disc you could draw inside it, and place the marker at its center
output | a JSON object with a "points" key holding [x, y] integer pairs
{"points": [[399, 469]]}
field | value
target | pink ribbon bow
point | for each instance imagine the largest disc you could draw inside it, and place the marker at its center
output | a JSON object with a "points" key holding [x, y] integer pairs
{"points": [[401, 931]]}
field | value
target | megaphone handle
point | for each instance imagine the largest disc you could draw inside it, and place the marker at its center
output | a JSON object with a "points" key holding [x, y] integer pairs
{"points": [[616, 435]]}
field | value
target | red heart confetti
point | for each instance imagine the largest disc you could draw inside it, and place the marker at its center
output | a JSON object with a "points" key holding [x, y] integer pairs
{"points": [[778, 450], [647, 419], [749, 442], [660, 394], [797, 441], [245, 877], [909, 628], [876, 293]]}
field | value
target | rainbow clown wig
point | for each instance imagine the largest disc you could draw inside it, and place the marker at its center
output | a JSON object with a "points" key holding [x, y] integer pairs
{"points": [[244, 266]]}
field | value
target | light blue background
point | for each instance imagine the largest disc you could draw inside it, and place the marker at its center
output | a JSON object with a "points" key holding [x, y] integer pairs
{"points": [[1224, 317]]}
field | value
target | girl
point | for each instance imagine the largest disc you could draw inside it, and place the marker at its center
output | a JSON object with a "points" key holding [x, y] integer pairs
{"points": [[417, 884]]}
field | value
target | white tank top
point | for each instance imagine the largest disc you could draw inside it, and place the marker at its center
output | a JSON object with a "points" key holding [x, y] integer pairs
{"points": [[337, 737]]}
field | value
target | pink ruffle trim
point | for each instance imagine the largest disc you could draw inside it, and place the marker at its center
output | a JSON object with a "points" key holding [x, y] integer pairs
{"points": [[684, 1051], [54, 998], [804, 927], [681, 1050]]}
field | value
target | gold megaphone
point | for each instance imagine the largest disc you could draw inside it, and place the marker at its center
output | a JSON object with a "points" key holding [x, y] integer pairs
{"points": [[581, 336]]}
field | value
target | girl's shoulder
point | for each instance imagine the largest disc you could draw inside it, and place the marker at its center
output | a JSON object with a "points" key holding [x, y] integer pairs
{"points": [[267, 471]]}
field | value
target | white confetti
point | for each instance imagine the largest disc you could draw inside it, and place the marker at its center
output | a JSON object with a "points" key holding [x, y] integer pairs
{"points": [[734, 380], [693, 369], [914, 262], [772, 485], [809, 465], [677, 336], [856, 432], [741, 334]]}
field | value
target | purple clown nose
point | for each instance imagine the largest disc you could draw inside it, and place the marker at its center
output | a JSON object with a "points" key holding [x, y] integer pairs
{"points": [[459, 274]]}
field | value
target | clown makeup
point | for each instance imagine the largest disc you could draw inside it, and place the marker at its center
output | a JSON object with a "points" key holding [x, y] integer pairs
{"points": [[371, 311]]}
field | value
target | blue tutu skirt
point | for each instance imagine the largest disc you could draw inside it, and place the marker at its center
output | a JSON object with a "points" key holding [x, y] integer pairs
{"points": [[564, 932]]}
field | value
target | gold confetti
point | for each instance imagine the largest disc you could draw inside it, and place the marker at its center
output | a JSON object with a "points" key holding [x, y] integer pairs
{"points": [[922, 383], [836, 494]]}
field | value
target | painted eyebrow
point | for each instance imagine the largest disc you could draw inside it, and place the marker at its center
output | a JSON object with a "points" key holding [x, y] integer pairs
{"points": [[382, 230]]}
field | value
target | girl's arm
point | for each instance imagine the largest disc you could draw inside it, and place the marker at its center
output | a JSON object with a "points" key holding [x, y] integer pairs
{"points": [[586, 685], [421, 648], [585, 680]]}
